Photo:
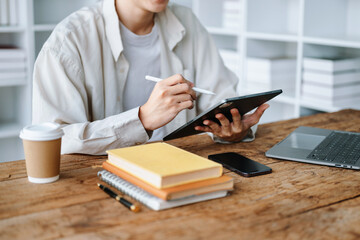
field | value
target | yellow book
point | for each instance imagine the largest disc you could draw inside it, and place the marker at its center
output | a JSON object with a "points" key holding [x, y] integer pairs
{"points": [[163, 165]]}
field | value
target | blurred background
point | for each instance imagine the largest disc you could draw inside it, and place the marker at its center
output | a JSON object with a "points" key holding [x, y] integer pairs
{"points": [[308, 48]]}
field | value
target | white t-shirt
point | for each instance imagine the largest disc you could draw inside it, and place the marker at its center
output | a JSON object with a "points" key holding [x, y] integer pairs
{"points": [[143, 54]]}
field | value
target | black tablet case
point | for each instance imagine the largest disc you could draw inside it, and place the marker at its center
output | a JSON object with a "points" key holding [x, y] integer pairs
{"points": [[243, 103]]}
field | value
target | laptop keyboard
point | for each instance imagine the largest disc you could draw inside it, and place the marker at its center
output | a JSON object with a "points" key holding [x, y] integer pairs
{"points": [[338, 147]]}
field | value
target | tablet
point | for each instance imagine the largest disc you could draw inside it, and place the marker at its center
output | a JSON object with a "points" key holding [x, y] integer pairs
{"points": [[243, 103]]}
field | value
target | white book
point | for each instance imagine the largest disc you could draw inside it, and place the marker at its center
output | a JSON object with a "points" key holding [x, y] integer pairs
{"points": [[351, 102], [331, 92], [12, 75], [331, 79], [4, 10], [13, 12], [331, 64], [8, 53], [270, 65], [150, 200], [12, 65]]}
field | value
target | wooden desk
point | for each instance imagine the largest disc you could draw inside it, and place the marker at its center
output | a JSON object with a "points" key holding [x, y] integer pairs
{"points": [[296, 201]]}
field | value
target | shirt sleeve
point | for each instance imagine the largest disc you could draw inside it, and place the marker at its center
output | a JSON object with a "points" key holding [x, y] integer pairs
{"points": [[60, 95]]}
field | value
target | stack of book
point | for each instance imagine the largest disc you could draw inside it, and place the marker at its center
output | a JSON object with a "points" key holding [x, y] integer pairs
{"points": [[8, 12], [163, 176], [331, 82], [12, 65], [266, 74], [231, 14]]}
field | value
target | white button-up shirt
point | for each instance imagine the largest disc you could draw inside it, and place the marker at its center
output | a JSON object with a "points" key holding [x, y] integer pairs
{"points": [[80, 73]]}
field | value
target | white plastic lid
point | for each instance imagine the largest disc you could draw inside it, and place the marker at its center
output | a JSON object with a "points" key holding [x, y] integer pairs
{"points": [[42, 132]]}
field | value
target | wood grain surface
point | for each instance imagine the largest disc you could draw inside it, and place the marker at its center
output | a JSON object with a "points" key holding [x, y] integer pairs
{"points": [[296, 201]]}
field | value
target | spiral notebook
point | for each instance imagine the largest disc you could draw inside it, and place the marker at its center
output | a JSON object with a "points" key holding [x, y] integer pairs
{"points": [[149, 200]]}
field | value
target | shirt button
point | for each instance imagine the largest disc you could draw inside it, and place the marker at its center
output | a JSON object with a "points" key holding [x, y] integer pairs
{"points": [[122, 70]]}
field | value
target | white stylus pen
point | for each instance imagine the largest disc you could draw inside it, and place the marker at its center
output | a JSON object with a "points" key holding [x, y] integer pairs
{"points": [[155, 79]]}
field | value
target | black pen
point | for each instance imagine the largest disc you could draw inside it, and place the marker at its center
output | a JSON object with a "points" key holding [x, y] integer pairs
{"points": [[122, 200]]}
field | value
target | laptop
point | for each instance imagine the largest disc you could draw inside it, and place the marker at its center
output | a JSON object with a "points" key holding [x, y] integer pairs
{"points": [[319, 146]]}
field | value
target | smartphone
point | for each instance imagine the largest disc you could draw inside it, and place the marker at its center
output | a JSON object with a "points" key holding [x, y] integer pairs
{"points": [[240, 164]]}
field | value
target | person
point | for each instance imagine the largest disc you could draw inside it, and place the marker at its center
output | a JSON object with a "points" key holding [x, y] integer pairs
{"points": [[89, 77]]}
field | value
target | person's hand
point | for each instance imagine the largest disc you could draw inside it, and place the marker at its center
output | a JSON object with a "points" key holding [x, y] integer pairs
{"points": [[237, 129], [169, 97]]}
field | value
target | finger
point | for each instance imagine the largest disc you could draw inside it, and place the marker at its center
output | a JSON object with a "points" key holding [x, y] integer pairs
{"points": [[185, 105], [252, 119], [183, 88], [225, 123], [214, 126], [203, 129], [176, 79], [260, 110], [236, 118], [181, 98]]}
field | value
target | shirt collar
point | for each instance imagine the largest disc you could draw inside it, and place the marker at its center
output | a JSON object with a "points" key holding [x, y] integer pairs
{"points": [[173, 30], [112, 28], [173, 33]]}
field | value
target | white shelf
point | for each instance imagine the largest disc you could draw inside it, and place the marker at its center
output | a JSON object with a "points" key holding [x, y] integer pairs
{"points": [[222, 31], [13, 82], [9, 129], [271, 36], [266, 48], [326, 108], [11, 29], [286, 28], [59, 9], [326, 19], [38, 19], [273, 16], [266, 29], [44, 27], [336, 42], [315, 106]]}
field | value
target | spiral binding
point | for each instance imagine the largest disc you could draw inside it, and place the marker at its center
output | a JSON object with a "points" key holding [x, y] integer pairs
{"points": [[127, 188], [149, 200]]}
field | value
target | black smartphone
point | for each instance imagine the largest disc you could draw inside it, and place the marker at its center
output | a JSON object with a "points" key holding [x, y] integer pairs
{"points": [[240, 164]]}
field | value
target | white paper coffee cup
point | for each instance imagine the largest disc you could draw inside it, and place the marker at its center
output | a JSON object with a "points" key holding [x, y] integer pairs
{"points": [[42, 147]]}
